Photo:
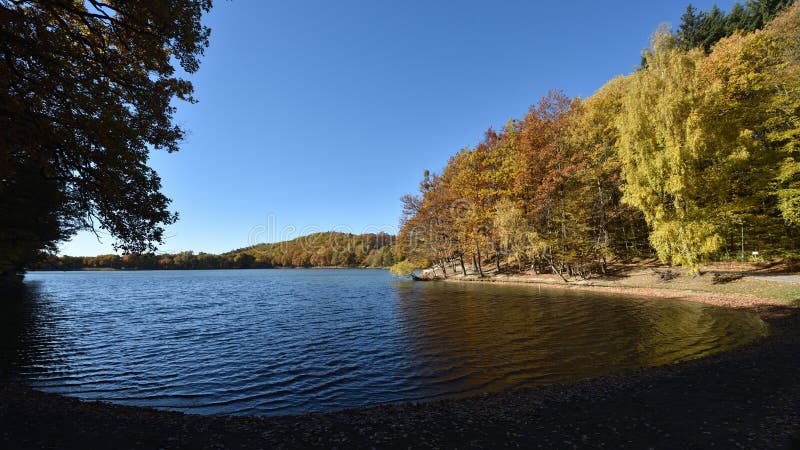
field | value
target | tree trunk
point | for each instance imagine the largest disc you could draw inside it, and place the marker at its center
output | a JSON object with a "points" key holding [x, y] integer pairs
{"points": [[559, 272], [603, 227], [461, 260], [480, 269]]}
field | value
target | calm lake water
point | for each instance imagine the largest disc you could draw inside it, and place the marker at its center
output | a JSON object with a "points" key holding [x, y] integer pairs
{"points": [[265, 342]]}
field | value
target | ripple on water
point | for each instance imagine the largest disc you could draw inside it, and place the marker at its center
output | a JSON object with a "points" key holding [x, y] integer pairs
{"points": [[272, 342]]}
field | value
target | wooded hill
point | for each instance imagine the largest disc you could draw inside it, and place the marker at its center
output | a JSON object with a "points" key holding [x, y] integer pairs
{"points": [[692, 154], [330, 249]]}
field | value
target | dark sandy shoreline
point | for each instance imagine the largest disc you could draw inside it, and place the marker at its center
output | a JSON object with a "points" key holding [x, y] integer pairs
{"points": [[746, 398]]}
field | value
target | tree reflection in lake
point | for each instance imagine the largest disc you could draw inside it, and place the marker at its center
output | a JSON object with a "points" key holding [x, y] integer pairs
{"points": [[471, 337]]}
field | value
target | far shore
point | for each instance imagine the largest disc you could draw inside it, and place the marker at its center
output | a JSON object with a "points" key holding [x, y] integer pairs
{"points": [[111, 269]]}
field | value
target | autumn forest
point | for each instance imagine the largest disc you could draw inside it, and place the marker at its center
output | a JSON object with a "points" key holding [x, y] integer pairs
{"points": [[694, 156]]}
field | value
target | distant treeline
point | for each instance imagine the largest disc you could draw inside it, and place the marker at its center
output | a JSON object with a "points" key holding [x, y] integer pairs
{"points": [[329, 249], [695, 156]]}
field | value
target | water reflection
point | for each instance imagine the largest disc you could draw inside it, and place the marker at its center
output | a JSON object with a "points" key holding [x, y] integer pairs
{"points": [[273, 342], [470, 337], [28, 322]]}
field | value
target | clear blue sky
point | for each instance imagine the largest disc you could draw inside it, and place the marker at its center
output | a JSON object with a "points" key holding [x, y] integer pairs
{"points": [[321, 115]]}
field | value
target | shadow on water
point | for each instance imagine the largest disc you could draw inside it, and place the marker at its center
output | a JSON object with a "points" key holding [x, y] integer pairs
{"points": [[26, 323]]}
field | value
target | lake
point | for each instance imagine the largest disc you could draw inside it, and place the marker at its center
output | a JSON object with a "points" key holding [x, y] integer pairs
{"points": [[266, 342]]}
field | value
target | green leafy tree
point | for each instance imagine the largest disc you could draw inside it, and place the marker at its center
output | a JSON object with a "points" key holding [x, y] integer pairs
{"points": [[712, 28], [704, 29], [690, 29], [736, 19]]}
